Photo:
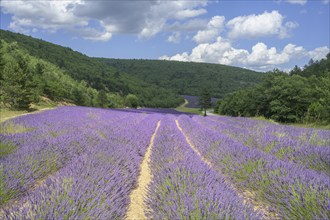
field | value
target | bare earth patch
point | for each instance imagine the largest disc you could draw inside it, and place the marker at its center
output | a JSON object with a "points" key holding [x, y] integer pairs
{"points": [[137, 206]]}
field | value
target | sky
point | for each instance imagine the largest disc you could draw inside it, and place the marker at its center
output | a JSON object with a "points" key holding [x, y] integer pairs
{"points": [[259, 35]]}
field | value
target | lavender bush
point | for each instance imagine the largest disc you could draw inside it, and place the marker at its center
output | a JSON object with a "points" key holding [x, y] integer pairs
{"points": [[184, 187], [292, 189], [307, 147], [97, 172]]}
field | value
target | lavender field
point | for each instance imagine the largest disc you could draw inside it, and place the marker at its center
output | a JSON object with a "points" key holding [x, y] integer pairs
{"points": [[89, 163]]}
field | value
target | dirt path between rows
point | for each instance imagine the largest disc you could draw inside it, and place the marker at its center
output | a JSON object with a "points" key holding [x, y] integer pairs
{"points": [[248, 196], [137, 206], [192, 145]]}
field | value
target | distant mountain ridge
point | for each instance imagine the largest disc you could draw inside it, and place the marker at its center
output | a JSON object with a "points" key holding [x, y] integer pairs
{"points": [[156, 83]]}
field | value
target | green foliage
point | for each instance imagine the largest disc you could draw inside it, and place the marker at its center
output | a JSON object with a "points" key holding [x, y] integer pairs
{"points": [[6, 148], [319, 110], [103, 99], [205, 100], [25, 78], [5, 192], [93, 73], [12, 128], [187, 78], [156, 83], [132, 101], [247, 169], [302, 96], [316, 68], [19, 86], [189, 110]]}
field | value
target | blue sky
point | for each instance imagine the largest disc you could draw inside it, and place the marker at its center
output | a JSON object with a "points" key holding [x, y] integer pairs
{"points": [[259, 35]]}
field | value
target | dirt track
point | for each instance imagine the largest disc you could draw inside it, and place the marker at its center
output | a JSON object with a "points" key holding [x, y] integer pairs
{"points": [[136, 207]]}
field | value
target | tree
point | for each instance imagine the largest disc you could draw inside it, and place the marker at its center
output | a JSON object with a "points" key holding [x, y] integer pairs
{"points": [[205, 100], [295, 71], [2, 61], [132, 101], [19, 88], [102, 99], [40, 68]]}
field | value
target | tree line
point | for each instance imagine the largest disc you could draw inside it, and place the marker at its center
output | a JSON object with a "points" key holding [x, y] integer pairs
{"points": [[187, 78], [24, 79], [95, 73], [303, 95]]}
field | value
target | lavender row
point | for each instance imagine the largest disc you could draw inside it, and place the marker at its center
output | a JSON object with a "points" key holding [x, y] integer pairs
{"points": [[310, 136], [294, 191], [97, 183], [51, 140], [278, 141], [184, 187]]}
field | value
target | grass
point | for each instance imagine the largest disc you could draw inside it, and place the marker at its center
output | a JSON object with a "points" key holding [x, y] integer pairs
{"points": [[247, 168], [189, 110], [183, 108], [311, 125], [6, 114], [301, 125], [45, 103], [6, 148], [262, 118], [12, 128]]}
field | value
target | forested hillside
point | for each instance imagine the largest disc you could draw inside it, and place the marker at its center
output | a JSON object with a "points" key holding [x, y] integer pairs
{"points": [[301, 96], [187, 78], [141, 77], [93, 73], [24, 79]]}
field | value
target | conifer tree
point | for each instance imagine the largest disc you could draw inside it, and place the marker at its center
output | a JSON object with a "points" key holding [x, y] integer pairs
{"points": [[205, 100]]}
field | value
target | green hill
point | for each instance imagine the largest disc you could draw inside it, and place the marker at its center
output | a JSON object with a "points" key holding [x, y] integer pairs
{"points": [[156, 83], [188, 78], [26, 80], [93, 72]]}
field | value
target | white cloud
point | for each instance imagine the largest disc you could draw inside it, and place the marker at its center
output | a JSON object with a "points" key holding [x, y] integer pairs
{"points": [[266, 24], [212, 30], [191, 25], [143, 18], [259, 58], [100, 37], [207, 52], [299, 2], [318, 53], [163, 11], [175, 38], [262, 56], [188, 13], [38, 14]]}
